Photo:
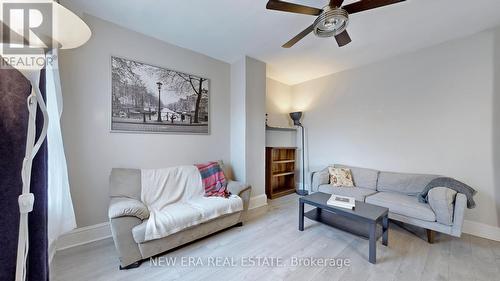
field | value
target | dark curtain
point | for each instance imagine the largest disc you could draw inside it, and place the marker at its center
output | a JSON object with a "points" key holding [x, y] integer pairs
{"points": [[14, 89]]}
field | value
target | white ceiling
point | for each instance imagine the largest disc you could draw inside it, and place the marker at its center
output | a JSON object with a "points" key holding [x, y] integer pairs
{"points": [[229, 29]]}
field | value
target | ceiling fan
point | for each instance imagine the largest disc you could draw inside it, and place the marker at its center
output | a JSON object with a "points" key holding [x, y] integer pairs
{"points": [[332, 20]]}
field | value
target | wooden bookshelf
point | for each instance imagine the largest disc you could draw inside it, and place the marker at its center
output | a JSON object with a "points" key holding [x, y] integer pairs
{"points": [[280, 171]]}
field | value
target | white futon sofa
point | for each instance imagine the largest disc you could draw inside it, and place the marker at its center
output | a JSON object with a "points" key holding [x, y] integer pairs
{"points": [[128, 217]]}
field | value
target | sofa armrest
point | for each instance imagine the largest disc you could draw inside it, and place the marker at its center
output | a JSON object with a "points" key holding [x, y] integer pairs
{"points": [[128, 250], [442, 202], [318, 178], [127, 207], [242, 190], [236, 187], [458, 215]]}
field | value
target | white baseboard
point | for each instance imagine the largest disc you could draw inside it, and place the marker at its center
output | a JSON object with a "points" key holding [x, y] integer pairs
{"points": [[257, 201], [84, 235], [481, 230]]}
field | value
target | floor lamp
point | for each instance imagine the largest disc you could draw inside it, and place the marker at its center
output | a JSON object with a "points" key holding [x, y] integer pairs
{"points": [[67, 31], [296, 116]]}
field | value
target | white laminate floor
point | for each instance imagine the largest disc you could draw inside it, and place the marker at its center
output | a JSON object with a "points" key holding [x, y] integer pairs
{"points": [[270, 236]]}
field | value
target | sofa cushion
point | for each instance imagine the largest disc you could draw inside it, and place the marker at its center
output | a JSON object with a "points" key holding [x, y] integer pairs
{"points": [[125, 183], [357, 192], [213, 207], [402, 204], [178, 215], [409, 184], [441, 200], [182, 215], [366, 178], [340, 177]]}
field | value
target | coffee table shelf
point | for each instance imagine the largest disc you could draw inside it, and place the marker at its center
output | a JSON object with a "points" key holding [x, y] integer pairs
{"points": [[364, 220], [342, 223]]}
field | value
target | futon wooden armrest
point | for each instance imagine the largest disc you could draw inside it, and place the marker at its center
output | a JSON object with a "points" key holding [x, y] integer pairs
{"points": [[237, 188]]}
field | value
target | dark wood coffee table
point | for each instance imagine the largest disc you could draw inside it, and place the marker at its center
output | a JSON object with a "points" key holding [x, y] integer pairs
{"points": [[362, 221]]}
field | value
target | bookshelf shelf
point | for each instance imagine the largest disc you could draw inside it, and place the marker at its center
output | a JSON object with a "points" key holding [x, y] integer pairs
{"points": [[280, 171]]}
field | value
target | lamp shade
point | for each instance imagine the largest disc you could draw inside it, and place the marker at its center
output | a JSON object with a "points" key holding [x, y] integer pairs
{"points": [[70, 31], [67, 30], [296, 116], [62, 29]]}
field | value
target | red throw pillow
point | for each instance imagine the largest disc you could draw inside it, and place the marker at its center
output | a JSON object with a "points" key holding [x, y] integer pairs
{"points": [[213, 179]]}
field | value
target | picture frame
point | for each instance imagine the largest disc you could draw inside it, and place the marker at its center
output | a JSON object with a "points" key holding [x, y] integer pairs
{"points": [[140, 90]]}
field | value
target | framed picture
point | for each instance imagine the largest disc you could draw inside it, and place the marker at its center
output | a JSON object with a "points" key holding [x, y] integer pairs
{"points": [[152, 99]]}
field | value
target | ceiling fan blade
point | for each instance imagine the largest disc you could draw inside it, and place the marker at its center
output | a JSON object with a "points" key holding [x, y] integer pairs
{"points": [[292, 8], [336, 3], [368, 5], [299, 36], [343, 39]]}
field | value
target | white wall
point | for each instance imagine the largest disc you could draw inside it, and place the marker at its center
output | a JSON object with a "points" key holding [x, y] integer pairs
{"points": [[278, 106], [278, 103], [430, 111], [248, 101], [256, 125], [496, 122], [238, 119], [92, 150]]}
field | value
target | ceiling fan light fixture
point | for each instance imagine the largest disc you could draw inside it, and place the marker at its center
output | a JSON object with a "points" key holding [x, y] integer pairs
{"points": [[331, 22]]}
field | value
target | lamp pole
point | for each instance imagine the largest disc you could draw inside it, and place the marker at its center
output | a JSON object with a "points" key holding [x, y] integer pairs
{"points": [[159, 100], [303, 192], [295, 116]]}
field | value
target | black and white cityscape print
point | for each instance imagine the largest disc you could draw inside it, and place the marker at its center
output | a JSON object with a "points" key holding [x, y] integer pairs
{"points": [[152, 99]]}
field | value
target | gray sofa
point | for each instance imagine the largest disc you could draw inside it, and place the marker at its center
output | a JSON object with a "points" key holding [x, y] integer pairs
{"points": [[127, 215], [398, 192]]}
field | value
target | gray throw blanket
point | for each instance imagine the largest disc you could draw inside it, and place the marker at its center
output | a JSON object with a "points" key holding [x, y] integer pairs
{"points": [[451, 184]]}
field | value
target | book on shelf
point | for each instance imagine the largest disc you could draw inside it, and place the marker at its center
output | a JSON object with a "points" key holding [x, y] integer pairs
{"points": [[341, 201]]}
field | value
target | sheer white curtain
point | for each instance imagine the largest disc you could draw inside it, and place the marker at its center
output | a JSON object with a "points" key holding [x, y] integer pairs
{"points": [[61, 216]]}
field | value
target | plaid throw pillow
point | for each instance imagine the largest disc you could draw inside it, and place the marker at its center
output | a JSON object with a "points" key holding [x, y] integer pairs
{"points": [[213, 179]]}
